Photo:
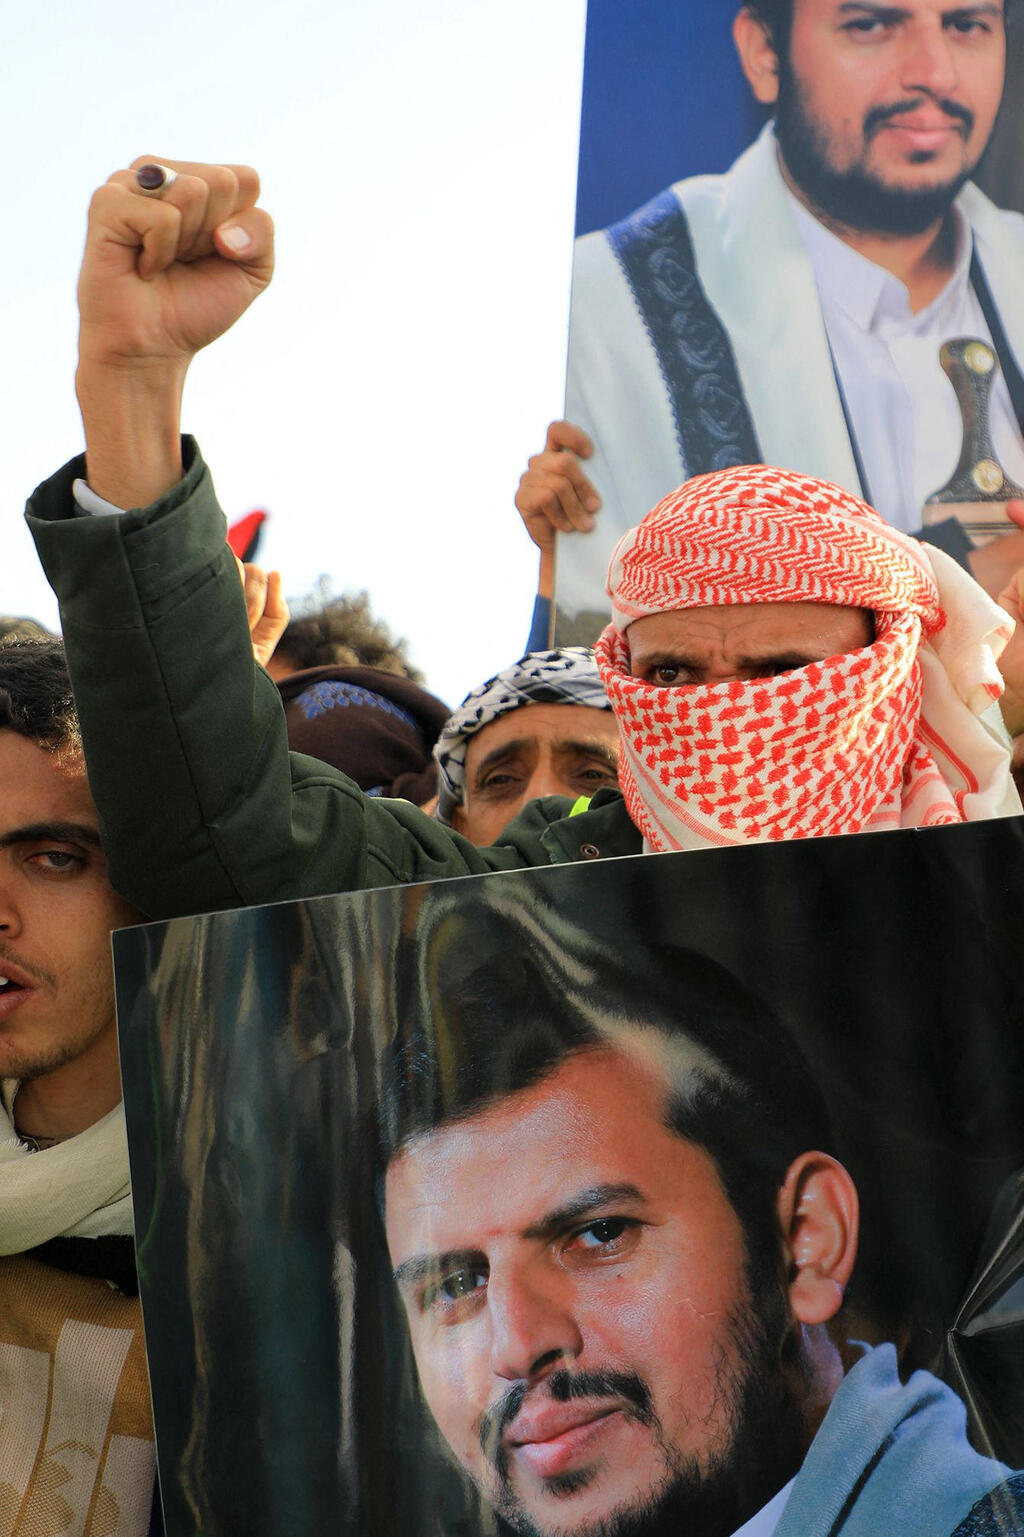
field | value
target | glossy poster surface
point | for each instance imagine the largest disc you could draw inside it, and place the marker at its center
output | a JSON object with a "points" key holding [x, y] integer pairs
{"points": [[545, 1200], [775, 243]]}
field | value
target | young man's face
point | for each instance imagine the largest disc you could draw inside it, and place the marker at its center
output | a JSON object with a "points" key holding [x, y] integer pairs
{"points": [[57, 909], [576, 1286], [884, 109]]}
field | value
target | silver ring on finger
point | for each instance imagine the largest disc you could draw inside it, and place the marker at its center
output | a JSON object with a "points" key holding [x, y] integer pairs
{"points": [[154, 180]]}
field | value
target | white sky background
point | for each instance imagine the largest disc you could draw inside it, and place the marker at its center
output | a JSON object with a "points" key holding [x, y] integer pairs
{"points": [[382, 398]]}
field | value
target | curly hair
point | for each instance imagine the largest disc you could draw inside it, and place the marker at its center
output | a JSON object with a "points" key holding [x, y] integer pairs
{"points": [[35, 695], [341, 631]]}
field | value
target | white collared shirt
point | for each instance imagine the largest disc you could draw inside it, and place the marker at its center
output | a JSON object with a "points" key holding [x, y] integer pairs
{"points": [[768, 1517], [902, 407]]}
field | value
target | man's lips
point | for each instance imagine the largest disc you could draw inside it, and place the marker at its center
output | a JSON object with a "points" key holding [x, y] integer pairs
{"points": [[16, 987], [924, 127], [553, 1439]]}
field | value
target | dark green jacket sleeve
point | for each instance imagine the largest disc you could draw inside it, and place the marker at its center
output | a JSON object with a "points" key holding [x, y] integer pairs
{"points": [[201, 804]]}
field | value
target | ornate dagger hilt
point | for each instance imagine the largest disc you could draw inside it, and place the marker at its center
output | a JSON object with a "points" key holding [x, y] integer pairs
{"points": [[979, 488]]}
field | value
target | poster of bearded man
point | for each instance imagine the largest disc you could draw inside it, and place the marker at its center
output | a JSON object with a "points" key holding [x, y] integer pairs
{"points": [[651, 1196], [799, 239]]}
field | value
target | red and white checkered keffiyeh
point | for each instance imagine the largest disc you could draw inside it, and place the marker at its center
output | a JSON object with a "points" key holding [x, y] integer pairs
{"points": [[885, 737]]}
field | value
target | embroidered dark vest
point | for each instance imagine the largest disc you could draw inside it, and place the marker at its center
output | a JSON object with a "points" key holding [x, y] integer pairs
{"points": [[713, 425]]}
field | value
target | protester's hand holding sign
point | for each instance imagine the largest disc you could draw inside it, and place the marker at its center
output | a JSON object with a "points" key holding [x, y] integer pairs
{"points": [[554, 494], [175, 252]]}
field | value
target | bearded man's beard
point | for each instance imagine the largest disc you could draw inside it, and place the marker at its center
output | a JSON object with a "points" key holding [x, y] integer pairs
{"points": [[760, 1390], [856, 197]]}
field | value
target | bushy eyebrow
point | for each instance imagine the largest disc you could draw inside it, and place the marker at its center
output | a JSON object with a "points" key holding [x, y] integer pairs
{"points": [[502, 754], [894, 13], [878, 12], [51, 832], [593, 747], [581, 1205], [768, 658], [421, 1267]]}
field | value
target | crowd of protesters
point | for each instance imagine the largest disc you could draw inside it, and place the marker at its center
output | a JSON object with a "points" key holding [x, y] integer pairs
{"points": [[778, 663]]}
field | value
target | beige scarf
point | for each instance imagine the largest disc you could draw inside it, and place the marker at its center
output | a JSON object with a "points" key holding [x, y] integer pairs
{"points": [[76, 1189]]}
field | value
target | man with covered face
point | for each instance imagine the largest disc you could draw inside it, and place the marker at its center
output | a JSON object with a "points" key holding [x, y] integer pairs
{"points": [[793, 309], [782, 664], [864, 669], [624, 1246]]}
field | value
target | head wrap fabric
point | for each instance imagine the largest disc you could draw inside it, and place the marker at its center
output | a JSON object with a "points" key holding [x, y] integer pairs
{"points": [[887, 736], [566, 676], [376, 727]]}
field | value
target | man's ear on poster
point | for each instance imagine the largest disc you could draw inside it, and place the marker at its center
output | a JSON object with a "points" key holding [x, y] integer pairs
{"points": [[818, 1211], [759, 61]]}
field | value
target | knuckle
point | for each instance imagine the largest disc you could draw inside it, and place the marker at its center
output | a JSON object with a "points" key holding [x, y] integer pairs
{"points": [[247, 180], [222, 180], [103, 197]]}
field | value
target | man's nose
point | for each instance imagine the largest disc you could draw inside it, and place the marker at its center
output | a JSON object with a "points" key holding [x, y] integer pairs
{"points": [[722, 670], [929, 61], [545, 780], [10, 917], [533, 1329]]}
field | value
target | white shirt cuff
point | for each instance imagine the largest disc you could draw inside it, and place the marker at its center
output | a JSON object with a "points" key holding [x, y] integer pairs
{"points": [[87, 503]]}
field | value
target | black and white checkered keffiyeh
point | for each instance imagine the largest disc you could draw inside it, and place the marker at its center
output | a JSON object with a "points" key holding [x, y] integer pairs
{"points": [[568, 676]]}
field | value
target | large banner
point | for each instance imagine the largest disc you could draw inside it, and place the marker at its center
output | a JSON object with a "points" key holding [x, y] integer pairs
{"points": [[785, 212], [639, 1197]]}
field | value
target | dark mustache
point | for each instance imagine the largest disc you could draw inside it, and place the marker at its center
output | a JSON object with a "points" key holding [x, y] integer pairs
{"points": [[955, 109], [34, 973], [563, 1386]]}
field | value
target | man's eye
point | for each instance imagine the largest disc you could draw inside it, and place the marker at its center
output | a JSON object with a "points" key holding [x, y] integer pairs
{"points": [[605, 1235], [866, 26], [504, 779], [600, 771], [451, 1289], [667, 673], [57, 861]]}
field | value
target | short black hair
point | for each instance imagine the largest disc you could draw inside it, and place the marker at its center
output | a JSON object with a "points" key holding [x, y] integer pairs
{"points": [[776, 16], [35, 695], [494, 988]]}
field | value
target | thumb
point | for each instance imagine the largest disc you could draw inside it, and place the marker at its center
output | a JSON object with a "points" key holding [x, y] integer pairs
{"points": [[247, 238], [1015, 512]]}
